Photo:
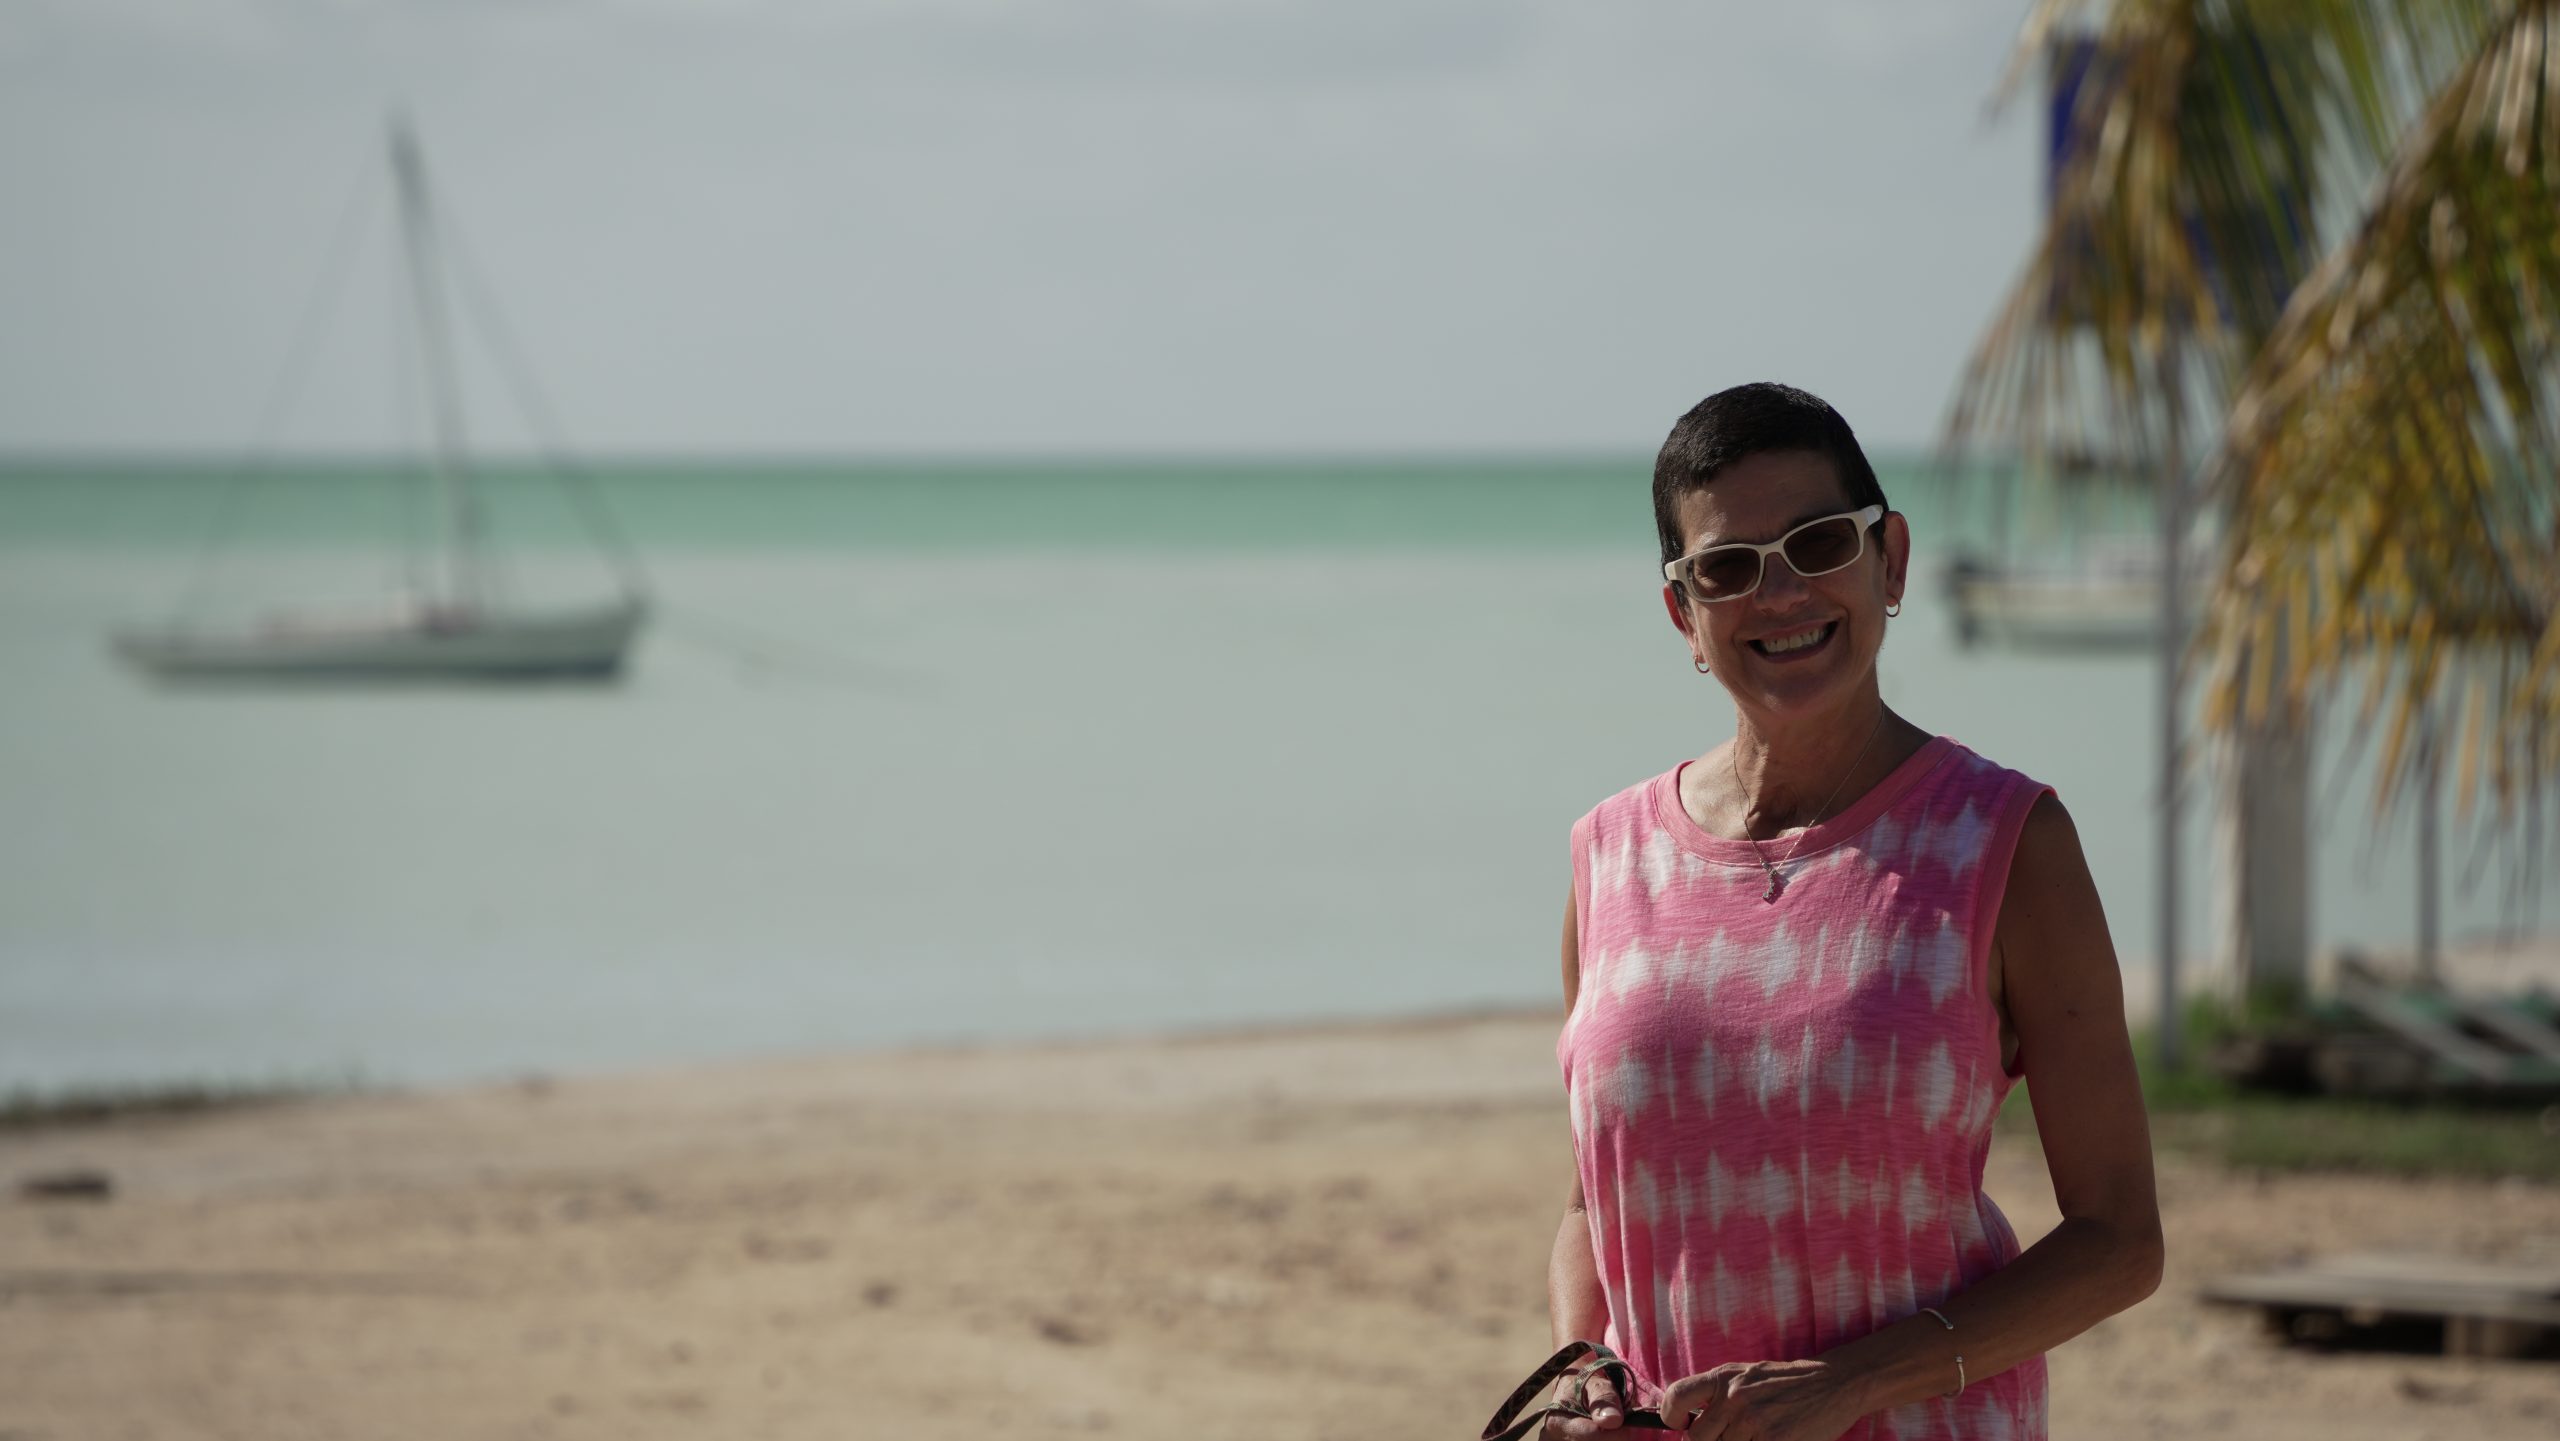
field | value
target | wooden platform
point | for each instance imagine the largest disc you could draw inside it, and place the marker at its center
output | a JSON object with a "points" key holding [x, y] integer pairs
{"points": [[2486, 1310]]}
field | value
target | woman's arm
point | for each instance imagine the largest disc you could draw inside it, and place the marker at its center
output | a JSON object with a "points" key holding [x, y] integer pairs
{"points": [[2066, 1002], [1577, 1310], [1575, 1306], [1574, 1302]]}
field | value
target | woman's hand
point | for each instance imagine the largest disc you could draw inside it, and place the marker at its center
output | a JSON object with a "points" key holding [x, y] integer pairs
{"points": [[1763, 1401], [1597, 1394]]}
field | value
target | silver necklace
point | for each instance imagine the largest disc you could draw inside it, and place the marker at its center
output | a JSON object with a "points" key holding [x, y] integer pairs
{"points": [[1777, 882]]}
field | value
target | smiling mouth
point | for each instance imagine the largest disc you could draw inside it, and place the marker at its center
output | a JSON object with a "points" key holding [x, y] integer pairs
{"points": [[1793, 646]]}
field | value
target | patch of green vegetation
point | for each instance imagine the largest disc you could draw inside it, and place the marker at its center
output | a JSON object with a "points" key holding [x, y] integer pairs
{"points": [[27, 1109], [2165, 1090], [2017, 1116], [2201, 1115], [2330, 1135], [2198, 1113]]}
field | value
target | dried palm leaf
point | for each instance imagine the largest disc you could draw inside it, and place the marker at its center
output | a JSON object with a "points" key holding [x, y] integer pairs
{"points": [[2391, 467]]}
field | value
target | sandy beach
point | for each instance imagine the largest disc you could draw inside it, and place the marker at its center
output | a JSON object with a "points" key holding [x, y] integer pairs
{"points": [[1328, 1233]]}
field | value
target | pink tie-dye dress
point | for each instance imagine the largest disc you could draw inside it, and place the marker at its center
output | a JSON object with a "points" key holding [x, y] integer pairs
{"points": [[1781, 1107]]}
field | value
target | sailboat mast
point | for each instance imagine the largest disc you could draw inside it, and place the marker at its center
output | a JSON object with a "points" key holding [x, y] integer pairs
{"points": [[464, 530]]}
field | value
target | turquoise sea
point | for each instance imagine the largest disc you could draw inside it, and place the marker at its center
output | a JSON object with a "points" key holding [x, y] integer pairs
{"points": [[913, 752]]}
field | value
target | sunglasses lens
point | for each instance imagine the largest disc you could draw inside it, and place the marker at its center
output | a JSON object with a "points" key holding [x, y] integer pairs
{"points": [[1819, 549], [1723, 574]]}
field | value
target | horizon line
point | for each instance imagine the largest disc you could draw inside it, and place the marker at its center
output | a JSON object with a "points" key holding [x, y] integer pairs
{"points": [[211, 458]]}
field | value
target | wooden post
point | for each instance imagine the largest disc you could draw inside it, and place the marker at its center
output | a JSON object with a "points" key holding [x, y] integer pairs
{"points": [[2263, 881]]}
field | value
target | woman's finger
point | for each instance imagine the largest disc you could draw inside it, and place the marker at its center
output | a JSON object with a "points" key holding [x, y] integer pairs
{"points": [[1579, 1428], [1695, 1404], [1588, 1388], [1600, 1397]]}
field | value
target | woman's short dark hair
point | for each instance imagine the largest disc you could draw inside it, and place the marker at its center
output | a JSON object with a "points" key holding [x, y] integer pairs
{"points": [[1749, 420]]}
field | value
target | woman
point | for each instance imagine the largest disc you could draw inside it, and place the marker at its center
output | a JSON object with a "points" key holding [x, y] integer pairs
{"points": [[1800, 972]]}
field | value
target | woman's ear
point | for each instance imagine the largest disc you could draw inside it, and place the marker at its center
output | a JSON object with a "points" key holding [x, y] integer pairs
{"points": [[1673, 602], [1897, 555]]}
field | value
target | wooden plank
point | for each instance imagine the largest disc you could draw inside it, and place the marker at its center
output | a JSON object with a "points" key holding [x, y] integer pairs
{"points": [[2369, 1299], [2511, 1024], [2525, 1278], [2437, 1039], [2370, 1063], [2496, 1340], [2377, 1285]]}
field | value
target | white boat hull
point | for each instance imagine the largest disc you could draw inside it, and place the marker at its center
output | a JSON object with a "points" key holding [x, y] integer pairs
{"points": [[422, 645], [2059, 612]]}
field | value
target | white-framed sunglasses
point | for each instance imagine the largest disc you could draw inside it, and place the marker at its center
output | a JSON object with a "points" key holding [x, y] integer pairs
{"points": [[1732, 570]]}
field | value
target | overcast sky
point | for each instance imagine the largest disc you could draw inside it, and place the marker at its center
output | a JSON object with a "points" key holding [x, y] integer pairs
{"points": [[897, 226]]}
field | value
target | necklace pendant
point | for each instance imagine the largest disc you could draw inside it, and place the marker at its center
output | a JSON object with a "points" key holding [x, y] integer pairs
{"points": [[1777, 883]]}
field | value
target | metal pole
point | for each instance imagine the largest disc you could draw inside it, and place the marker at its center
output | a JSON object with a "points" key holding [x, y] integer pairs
{"points": [[2173, 529], [2430, 857]]}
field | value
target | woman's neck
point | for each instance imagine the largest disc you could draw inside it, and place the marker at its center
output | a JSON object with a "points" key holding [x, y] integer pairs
{"points": [[1785, 778]]}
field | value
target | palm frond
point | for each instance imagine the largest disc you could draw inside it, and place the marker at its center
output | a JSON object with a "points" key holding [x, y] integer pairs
{"points": [[2066, 368], [2390, 469], [2211, 145]]}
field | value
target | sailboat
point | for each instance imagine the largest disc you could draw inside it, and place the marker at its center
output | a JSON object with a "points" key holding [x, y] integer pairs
{"points": [[457, 626], [2106, 597], [2072, 583]]}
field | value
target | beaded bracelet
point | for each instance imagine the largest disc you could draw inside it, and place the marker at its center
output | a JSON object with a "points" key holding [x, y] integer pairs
{"points": [[1950, 1325]]}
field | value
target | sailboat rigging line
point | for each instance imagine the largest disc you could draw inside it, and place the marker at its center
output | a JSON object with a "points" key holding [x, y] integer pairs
{"points": [[258, 458], [765, 650], [584, 493], [467, 528], [411, 478]]}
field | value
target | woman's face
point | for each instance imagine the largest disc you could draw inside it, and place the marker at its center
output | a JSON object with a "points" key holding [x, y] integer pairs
{"points": [[1761, 498]]}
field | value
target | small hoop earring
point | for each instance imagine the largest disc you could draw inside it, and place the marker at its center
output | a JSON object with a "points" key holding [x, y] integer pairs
{"points": [[1893, 610], [1701, 665]]}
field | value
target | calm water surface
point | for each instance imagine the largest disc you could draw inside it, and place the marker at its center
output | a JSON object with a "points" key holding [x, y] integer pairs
{"points": [[917, 752]]}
